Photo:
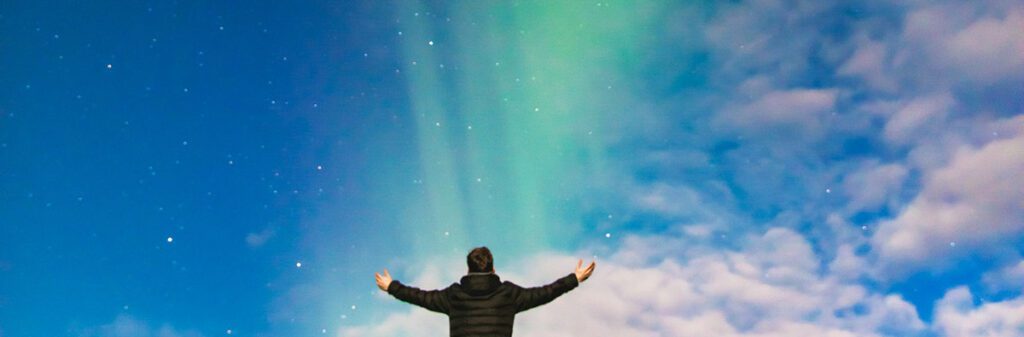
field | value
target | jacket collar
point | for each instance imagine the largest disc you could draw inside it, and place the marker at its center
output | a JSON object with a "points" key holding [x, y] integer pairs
{"points": [[480, 283]]}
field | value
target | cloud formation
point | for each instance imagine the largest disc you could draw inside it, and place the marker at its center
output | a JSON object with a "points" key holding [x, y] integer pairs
{"points": [[957, 316], [972, 204], [783, 114], [128, 326], [980, 43], [1006, 279]]}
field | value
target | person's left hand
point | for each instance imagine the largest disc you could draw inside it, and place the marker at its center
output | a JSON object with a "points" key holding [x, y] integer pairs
{"points": [[383, 281], [582, 274]]}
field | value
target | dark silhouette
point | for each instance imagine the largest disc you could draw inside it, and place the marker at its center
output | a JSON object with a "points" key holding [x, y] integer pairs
{"points": [[480, 304]]}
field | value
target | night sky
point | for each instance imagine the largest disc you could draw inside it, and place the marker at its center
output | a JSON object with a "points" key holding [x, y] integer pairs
{"points": [[761, 168]]}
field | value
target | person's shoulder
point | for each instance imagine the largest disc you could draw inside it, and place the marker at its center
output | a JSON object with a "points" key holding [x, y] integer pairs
{"points": [[509, 284], [454, 287]]}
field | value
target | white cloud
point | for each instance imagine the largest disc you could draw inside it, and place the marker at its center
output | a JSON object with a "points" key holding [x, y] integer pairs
{"points": [[989, 49], [847, 265], [973, 203], [669, 200], [1008, 278], [128, 326], [918, 119], [699, 231], [957, 316], [874, 185], [772, 287], [974, 43], [766, 37], [411, 324], [258, 239], [785, 114], [870, 63]]}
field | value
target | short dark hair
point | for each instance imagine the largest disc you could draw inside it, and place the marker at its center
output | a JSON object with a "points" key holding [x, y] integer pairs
{"points": [[480, 260]]}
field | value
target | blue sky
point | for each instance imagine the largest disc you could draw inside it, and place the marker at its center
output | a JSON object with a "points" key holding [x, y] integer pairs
{"points": [[762, 168]]}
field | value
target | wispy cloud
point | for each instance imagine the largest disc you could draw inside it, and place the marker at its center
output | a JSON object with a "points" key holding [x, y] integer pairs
{"points": [[128, 326], [260, 238], [1005, 279]]}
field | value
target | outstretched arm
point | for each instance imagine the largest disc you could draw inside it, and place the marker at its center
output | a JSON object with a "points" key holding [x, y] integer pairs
{"points": [[433, 300], [528, 298]]}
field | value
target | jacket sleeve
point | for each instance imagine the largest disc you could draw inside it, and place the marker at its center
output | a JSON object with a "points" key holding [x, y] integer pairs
{"points": [[433, 300], [528, 298]]}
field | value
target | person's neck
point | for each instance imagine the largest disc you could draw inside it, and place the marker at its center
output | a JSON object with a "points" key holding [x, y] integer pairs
{"points": [[481, 272]]}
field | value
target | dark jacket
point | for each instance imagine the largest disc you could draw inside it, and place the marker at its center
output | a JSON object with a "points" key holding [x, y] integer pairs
{"points": [[480, 304]]}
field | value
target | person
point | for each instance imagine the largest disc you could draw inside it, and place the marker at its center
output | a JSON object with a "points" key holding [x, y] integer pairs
{"points": [[481, 304]]}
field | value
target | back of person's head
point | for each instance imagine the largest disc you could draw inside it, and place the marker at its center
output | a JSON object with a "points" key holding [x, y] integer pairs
{"points": [[480, 260]]}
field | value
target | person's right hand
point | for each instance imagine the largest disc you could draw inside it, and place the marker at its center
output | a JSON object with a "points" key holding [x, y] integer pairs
{"points": [[383, 281], [583, 273]]}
